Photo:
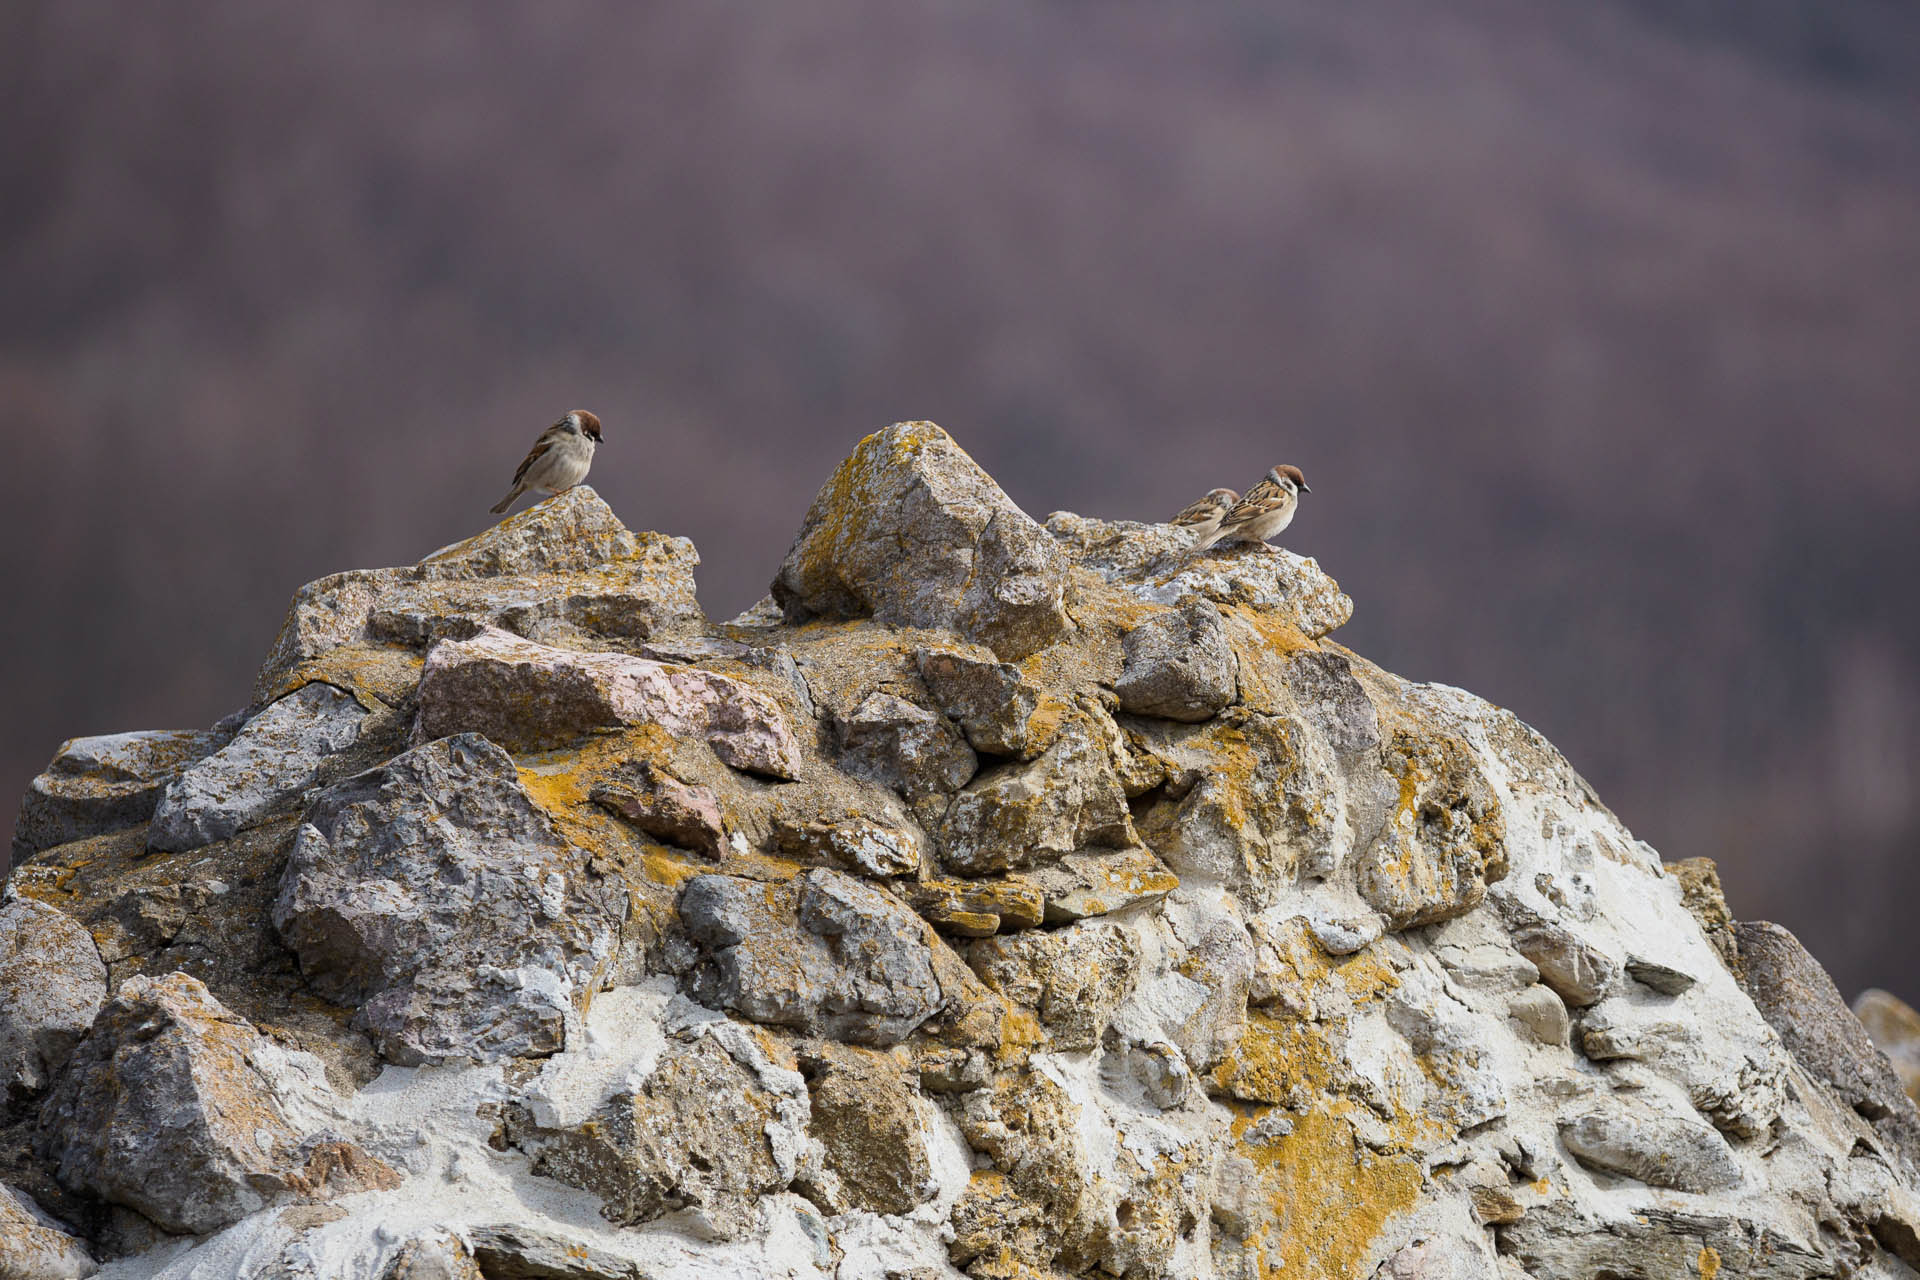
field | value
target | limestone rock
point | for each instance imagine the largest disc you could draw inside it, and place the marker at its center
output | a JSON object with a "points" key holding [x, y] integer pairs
{"points": [[1158, 563], [676, 812], [1441, 1258], [872, 1132], [910, 531], [994, 703], [1563, 1241], [824, 954], [877, 839], [1578, 972], [516, 1252], [263, 772], [1658, 1149], [1072, 978], [433, 894], [898, 744], [977, 908], [715, 1124], [1542, 1013], [528, 697], [1019, 815], [442, 1257], [1798, 999], [102, 784], [34, 1246], [1445, 841], [1179, 665], [562, 568], [175, 1107], [1894, 1028], [52, 983]]}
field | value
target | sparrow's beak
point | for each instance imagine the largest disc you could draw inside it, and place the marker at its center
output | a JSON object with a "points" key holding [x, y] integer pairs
{"points": [[1306, 489]]}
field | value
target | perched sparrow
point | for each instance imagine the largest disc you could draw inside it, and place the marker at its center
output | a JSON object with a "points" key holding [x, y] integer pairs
{"points": [[1203, 517], [1265, 511], [559, 459]]}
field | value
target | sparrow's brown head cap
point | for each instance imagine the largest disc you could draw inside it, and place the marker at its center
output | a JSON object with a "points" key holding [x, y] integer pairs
{"points": [[588, 423], [1293, 474]]}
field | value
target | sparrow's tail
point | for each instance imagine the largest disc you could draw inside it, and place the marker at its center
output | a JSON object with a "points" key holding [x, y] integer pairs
{"points": [[507, 501]]}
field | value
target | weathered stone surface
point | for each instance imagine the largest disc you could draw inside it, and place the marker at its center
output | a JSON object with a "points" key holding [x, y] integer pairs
{"points": [[562, 568], [1798, 999], [518, 1252], [52, 983], [433, 894], [1661, 1150], [1179, 665], [1563, 1241], [824, 954], [1578, 972], [442, 1257], [1443, 844], [879, 841], [34, 1246], [263, 772], [1020, 815], [715, 1124], [1072, 978], [107, 783], [528, 697], [1158, 563], [977, 908], [898, 744], [1099, 882], [1659, 977], [994, 703], [873, 1135], [175, 1107], [1442, 1258], [1894, 1028], [911, 531], [1542, 1013], [681, 813]]}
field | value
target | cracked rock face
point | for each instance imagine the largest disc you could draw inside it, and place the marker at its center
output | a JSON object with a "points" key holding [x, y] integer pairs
{"points": [[1007, 901]]}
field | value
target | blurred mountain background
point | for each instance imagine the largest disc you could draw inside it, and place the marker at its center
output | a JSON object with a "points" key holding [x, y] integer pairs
{"points": [[1595, 325]]}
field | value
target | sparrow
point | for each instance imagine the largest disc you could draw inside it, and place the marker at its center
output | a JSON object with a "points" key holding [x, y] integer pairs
{"points": [[1203, 517], [559, 459], [1265, 511]]}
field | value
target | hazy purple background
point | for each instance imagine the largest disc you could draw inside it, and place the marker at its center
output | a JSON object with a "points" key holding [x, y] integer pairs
{"points": [[1596, 326]]}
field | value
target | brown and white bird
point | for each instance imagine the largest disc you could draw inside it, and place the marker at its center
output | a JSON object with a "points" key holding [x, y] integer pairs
{"points": [[1203, 517], [1264, 512], [559, 459]]}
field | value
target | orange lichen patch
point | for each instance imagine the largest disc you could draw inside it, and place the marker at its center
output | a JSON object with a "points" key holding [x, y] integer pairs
{"points": [[378, 676], [1707, 1265], [1279, 1061], [1020, 1032], [1330, 1199]]}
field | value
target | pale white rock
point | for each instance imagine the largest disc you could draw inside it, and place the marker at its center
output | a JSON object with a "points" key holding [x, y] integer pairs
{"points": [[106, 783], [35, 1247]]}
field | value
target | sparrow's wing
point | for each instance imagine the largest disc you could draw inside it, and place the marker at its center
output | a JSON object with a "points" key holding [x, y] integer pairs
{"points": [[1261, 500], [1198, 513], [548, 438]]}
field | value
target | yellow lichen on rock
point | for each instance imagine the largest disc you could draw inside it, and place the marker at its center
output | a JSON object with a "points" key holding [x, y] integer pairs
{"points": [[1330, 1198]]}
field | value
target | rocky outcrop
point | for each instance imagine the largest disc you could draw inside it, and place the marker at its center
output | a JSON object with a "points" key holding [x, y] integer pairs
{"points": [[1009, 900]]}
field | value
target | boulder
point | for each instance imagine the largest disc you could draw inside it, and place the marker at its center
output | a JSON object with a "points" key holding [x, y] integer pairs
{"points": [[433, 895], [671, 811], [715, 1124], [52, 984], [561, 569], [1658, 1148], [263, 772], [993, 702], [1018, 815], [824, 954], [515, 1251], [102, 784], [910, 531], [531, 697], [901, 745], [35, 1247], [1798, 1000], [1179, 664], [872, 1133], [1578, 972], [177, 1108], [1443, 843]]}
